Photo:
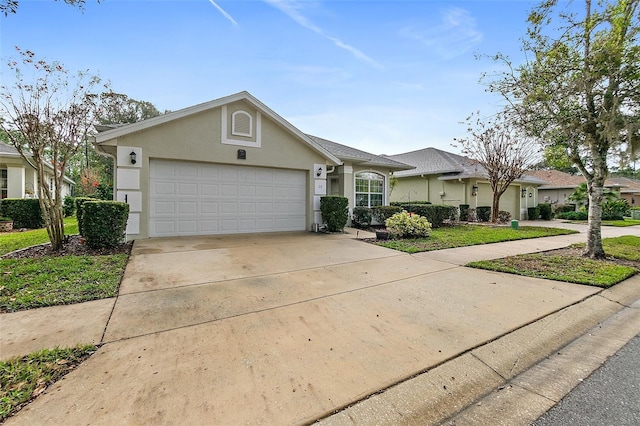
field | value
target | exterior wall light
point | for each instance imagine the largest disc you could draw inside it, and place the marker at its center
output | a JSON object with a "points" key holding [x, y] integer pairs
{"points": [[133, 156], [524, 192], [474, 190], [319, 172]]}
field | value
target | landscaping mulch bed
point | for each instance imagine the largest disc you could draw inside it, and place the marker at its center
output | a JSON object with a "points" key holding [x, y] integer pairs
{"points": [[74, 245]]}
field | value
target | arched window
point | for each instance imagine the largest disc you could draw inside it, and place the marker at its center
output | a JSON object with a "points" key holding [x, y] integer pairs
{"points": [[369, 189], [241, 124]]}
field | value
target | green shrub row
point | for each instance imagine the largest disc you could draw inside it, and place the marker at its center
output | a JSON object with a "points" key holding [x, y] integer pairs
{"points": [[546, 213], [25, 213], [533, 213], [382, 213], [573, 215], [406, 204], [68, 206], [483, 213], [335, 212], [563, 208], [104, 222], [79, 201]]}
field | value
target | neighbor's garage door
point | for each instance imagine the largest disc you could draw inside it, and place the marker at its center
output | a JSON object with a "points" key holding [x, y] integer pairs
{"points": [[201, 199]]}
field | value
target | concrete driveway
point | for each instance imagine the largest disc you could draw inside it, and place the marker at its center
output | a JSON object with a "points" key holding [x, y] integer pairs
{"points": [[282, 329]]}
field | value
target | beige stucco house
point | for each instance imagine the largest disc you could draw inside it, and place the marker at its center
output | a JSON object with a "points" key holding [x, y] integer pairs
{"points": [[441, 177], [560, 185], [233, 165], [19, 178]]}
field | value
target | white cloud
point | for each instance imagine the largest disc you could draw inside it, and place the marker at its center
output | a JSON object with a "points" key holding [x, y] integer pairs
{"points": [[293, 9], [223, 12], [455, 35]]}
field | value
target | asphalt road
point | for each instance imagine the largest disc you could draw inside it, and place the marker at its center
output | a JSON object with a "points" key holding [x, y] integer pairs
{"points": [[610, 396]]}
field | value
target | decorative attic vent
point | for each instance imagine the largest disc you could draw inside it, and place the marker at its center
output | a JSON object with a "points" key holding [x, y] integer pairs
{"points": [[241, 124]]}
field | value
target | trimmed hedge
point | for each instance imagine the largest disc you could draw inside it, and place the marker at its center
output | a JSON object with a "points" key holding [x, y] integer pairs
{"points": [[25, 212], [533, 213], [382, 213], [405, 204], [573, 215], [464, 212], [361, 217], [79, 201], [545, 211], [104, 222], [68, 206], [563, 208], [483, 213], [335, 212]]}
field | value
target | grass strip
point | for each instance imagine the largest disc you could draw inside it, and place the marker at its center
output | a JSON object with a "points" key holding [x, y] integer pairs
{"points": [[572, 269], [58, 280], [24, 378], [12, 241], [469, 235]]}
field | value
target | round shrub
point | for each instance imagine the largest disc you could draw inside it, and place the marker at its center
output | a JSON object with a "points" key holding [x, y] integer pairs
{"points": [[504, 216], [104, 222], [483, 213], [361, 217], [545, 211], [382, 213], [335, 212], [404, 225]]}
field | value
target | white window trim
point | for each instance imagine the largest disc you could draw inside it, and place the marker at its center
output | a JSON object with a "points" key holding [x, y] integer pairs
{"points": [[239, 142], [233, 124], [384, 186]]}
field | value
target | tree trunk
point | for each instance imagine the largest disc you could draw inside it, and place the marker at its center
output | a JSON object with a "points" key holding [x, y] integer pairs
{"points": [[51, 212], [495, 207], [594, 236]]}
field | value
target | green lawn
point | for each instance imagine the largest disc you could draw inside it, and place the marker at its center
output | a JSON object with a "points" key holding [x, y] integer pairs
{"points": [[58, 280], [469, 235], [18, 240], [571, 268], [54, 280], [22, 379]]}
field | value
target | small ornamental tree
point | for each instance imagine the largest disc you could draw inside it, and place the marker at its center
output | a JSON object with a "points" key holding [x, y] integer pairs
{"points": [[47, 116], [501, 150]]}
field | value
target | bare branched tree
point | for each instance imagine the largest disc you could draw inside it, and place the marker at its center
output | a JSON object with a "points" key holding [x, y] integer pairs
{"points": [[504, 153], [47, 117]]}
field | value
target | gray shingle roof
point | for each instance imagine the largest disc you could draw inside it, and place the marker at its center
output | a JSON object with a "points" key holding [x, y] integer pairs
{"points": [[433, 161], [357, 156], [8, 149], [429, 161]]}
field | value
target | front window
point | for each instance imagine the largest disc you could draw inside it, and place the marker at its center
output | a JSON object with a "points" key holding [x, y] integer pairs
{"points": [[369, 189], [3, 183]]}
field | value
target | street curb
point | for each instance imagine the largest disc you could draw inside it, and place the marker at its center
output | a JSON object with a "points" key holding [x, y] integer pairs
{"points": [[512, 377]]}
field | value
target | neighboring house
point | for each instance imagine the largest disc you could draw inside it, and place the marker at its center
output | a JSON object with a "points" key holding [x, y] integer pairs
{"points": [[629, 189], [441, 177], [560, 185], [19, 178], [232, 165]]}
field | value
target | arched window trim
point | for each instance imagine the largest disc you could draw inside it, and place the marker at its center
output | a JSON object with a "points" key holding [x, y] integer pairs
{"points": [[234, 122], [360, 193]]}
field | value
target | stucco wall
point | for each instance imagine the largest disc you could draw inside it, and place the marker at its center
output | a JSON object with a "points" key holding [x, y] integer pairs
{"points": [[199, 137]]}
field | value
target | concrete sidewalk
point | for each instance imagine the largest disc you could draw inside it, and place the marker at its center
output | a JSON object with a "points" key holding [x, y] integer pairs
{"points": [[291, 328]]}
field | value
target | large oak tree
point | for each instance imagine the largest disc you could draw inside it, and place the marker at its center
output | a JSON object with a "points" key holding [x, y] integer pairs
{"points": [[579, 89]]}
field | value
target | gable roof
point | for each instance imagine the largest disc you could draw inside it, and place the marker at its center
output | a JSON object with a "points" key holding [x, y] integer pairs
{"points": [[8, 150], [347, 153], [626, 185], [429, 161], [175, 115], [433, 161]]}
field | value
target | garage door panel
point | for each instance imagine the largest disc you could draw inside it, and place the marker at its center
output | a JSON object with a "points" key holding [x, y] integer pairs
{"points": [[198, 199]]}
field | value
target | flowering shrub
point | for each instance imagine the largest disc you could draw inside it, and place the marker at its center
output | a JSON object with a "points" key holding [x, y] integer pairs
{"points": [[403, 225], [504, 216]]}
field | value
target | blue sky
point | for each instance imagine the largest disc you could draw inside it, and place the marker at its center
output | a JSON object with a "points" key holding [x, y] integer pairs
{"points": [[383, 76]]}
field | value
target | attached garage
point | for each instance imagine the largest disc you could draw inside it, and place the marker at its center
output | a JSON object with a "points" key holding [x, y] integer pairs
{"points": [[190, 198], [228, 166]]}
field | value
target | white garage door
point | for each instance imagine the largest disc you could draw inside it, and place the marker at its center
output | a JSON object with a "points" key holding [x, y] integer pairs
{"points": [[202, 199]]}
